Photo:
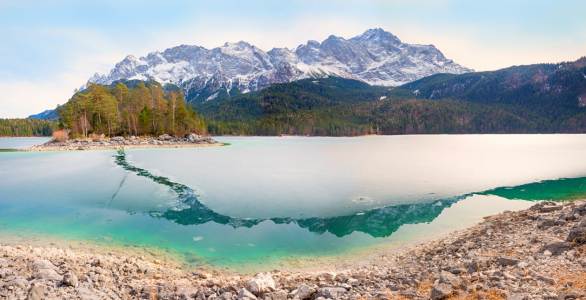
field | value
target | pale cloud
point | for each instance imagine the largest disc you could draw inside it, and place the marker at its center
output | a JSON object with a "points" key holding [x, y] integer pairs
{"points": [[85, 53], [20, 99], [471, 49]]}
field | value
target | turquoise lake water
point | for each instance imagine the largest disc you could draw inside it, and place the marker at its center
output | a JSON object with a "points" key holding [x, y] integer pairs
{"points": [[264, 203]]}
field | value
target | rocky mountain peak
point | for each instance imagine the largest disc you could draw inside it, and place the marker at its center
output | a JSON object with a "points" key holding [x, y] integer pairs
{"points": [[376, 57]]}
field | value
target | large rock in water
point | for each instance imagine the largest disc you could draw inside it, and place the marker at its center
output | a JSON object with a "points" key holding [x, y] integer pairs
{"points": [[261, 283]]}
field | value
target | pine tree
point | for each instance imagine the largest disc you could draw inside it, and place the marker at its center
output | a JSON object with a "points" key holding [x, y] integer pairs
{"points": [[122, 95]]}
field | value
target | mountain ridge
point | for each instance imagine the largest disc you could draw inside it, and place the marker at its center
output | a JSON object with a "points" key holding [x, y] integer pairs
{"points": [[49, 115], [376, 57], [540, 98]]}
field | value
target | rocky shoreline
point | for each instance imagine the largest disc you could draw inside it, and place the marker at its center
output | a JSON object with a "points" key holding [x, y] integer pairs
{"points": [[530, 254], [133, 142]]}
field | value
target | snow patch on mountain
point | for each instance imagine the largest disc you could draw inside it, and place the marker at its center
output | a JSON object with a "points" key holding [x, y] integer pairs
{"points": [[212, 97]]}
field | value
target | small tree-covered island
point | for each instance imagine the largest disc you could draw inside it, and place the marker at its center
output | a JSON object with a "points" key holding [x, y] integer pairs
{"points": [[144, 115], [142, 109]]}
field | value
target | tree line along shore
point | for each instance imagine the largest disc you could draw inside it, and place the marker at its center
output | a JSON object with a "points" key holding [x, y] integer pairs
{"points": [[538, 253], [27, 128]]}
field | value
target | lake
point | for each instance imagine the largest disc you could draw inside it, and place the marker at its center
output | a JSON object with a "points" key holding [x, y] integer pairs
{"points": [[271, 202]]}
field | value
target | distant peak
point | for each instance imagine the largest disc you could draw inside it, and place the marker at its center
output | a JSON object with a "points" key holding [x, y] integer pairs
{"points": [[279, 50], [377, 33], [375, 30], [240, 43], [313, 43]]}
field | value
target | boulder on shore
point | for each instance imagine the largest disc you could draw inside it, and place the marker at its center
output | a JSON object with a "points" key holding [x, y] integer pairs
{"points": [[261, 283]]}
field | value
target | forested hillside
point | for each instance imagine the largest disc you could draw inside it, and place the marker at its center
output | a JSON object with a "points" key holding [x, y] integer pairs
{"points": [[325, 106], [544, 98], [141, 108], [542, 87], [26, 127]]}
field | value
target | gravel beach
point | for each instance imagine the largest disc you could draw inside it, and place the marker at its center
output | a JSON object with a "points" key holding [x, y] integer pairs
{"points": [[530, 254]]}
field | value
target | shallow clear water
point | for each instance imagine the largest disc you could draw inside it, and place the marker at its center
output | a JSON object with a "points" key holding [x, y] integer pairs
{"points": [[262, 203]]}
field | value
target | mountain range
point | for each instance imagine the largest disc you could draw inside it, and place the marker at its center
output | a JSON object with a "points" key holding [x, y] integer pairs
{"points": [[376, 57], [343, 88], [540, 98]]}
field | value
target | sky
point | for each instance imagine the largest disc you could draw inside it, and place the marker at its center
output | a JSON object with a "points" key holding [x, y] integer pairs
{"points": [[49, 48]]}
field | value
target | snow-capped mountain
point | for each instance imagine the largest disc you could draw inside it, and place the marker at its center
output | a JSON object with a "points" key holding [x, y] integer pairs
{"points": [[376, 57]]}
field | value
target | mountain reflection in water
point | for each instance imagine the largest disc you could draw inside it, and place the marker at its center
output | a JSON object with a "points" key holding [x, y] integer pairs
{"points": [[380, 222]]}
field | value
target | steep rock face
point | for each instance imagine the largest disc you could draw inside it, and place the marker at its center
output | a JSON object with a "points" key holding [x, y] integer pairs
{"points": [[376, 57]]}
